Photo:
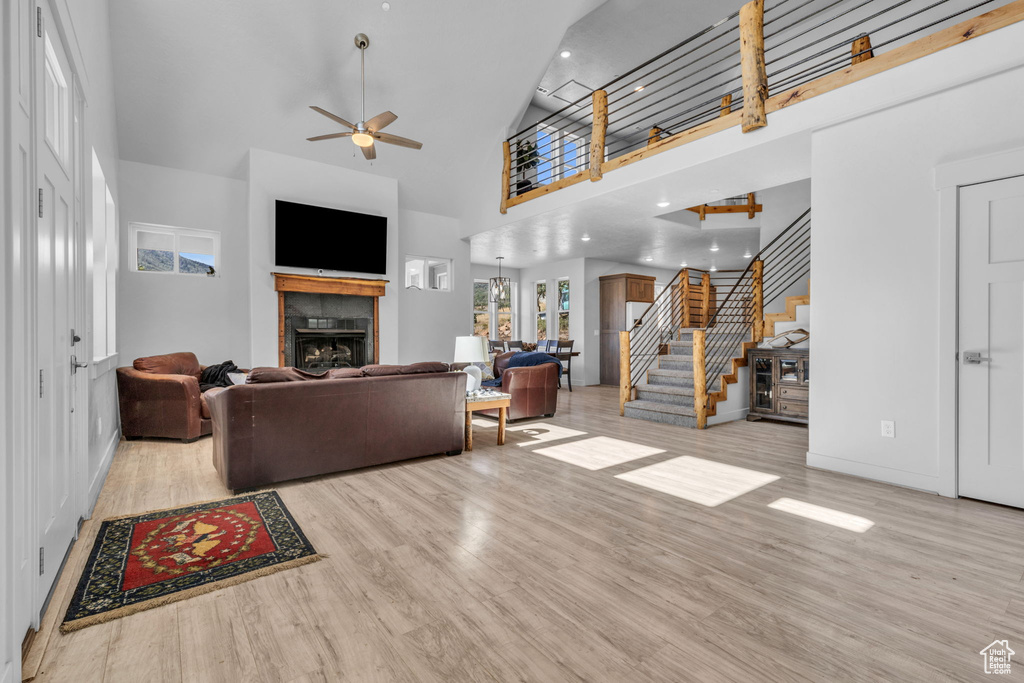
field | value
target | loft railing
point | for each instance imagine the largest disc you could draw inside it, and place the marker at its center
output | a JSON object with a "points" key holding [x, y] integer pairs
{"points": [[724, 312], [767, 56]]}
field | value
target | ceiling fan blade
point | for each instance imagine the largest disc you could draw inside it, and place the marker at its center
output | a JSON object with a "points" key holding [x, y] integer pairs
{"points": [[332, 116], [330, 136], [396, 140], [369, 152], [379, 121]]}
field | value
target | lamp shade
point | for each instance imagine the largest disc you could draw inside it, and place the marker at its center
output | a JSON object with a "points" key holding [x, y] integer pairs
{"points": [[470, 350]]}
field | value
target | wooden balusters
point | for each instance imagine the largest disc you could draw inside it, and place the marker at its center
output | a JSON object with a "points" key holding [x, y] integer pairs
{"points": [[700, 387], [506, 175], [757, 307], [597, 135], [654, 135], [861, 49], [625, 381], [726, 106], [705, 299], [755, 78]]}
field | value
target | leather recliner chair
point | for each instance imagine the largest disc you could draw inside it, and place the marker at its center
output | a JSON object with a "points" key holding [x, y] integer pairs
{"points": [[159, 396], [534, 389]]}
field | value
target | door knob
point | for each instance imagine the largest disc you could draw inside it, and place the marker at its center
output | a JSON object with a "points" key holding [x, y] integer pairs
{"points": [[975, 358]]}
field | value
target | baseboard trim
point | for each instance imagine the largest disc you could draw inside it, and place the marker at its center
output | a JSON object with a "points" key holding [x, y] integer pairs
{"points": [[884, 475], [728, 416], [96, 485]]}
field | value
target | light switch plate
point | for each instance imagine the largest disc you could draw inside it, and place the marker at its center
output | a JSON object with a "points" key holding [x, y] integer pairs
{"points": [[889, 429]]}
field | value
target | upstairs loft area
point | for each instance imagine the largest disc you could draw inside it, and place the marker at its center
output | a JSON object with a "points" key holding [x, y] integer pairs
{"points": [[769, 55]]}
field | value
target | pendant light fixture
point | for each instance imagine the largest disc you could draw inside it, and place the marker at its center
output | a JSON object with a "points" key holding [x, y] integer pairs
{"points": [[500, 287]]}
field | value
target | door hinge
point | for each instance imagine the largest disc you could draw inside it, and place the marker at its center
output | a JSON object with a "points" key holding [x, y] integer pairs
{"points": [[40, 384], [39, 21], [40, 202], [42, 560]]}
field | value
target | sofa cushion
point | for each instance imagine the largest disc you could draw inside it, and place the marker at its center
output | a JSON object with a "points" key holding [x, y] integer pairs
{"points": [[501, 362], [271, 375], [424, 367], [381, 370], [343, 373], [182, 363]]}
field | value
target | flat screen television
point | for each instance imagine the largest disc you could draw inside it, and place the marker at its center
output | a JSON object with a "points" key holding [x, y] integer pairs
{"points": [[329, 239]]}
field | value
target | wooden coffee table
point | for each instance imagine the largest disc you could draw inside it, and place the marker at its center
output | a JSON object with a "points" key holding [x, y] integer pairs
{"points": [[499, 401]]}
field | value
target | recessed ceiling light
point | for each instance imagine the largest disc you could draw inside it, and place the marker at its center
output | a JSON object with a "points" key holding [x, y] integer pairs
{"points": [[683, 264], [713, 269], [714, 247], [662, 205], [747, 255], [648, 258], [565, 54], [585, 238], [385, 6]]}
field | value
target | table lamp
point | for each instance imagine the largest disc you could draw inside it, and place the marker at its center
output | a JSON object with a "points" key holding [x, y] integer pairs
{"points": [[471, 350]]}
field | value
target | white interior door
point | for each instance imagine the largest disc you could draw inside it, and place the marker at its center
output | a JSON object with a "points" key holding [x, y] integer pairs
{"points": [[55, 305], [991, 400]]}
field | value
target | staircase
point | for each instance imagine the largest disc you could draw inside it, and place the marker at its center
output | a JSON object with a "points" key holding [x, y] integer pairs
{"points": [[681, 356]]}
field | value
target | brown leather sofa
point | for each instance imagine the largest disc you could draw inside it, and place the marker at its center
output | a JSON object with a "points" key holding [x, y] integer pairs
{"points": [[292, 426], [534, 389], [159, 396]]}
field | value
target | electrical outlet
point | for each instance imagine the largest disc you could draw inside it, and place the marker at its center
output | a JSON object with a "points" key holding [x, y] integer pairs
{"points": [[889, 429]]}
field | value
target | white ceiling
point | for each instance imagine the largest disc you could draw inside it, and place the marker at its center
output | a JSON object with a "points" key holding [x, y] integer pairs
{"points": [[198, 82]]}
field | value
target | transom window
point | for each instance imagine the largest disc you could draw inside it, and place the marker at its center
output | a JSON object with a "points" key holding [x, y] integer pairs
{"points": [[425, 272], [164, 249]]}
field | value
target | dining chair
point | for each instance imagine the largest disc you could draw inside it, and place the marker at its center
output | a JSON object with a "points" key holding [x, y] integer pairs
{"points": [[514, 345], [565, 346], [496, 346]]}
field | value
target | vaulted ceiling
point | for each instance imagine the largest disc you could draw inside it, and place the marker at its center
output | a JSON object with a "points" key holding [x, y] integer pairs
{"points": [[198, 83]]}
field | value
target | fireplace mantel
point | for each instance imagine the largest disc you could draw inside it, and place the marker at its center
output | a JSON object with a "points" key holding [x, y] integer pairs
{"points": [[351, 286]]}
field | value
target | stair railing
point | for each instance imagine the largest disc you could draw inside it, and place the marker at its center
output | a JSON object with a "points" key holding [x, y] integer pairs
{"points": [[782, 263]]}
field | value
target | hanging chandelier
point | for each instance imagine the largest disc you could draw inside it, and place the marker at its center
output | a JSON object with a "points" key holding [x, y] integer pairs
{"points": [[500, 287]]}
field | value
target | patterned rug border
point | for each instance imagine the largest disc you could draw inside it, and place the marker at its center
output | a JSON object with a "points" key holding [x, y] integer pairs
{"points": [[120, 612]]}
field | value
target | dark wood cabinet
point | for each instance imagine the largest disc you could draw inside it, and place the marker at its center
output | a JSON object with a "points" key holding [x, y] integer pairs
{"points": [[780, 381], [616, 290]]}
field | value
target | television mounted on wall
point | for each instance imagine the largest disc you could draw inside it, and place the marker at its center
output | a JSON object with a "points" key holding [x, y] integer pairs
{"points": [[317, 237]]}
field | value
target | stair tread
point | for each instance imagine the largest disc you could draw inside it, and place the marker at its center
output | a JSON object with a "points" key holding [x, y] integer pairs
{"points": [[671, 373], [665, 389], [656, 407]]}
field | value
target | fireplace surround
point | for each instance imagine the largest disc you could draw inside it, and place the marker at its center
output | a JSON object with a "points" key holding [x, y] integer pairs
{"points": [[327, 322]]}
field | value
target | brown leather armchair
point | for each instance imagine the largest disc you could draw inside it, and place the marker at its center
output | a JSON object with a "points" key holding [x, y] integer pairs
{"points": [[534, 389], [159, 396]]}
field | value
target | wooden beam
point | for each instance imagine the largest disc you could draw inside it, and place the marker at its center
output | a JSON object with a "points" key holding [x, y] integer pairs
{"points": [[751, 210], [705, 299], [654, 135], [548, 189], [861, 49], [597, 135], [354, 286], [734, 208], [280, 329], [755, 78], [757, 312], [685, 293], [376, 330], [726, 106], [506, 175], [700, 388], [625, 383]]}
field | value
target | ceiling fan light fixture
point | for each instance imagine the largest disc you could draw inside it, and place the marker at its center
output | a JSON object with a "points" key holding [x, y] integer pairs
{"points": [[363, 139]]}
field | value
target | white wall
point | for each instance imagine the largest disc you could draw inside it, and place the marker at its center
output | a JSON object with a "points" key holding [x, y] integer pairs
{"points": [[277, 176], [163, 313], [783, 205], [429, 320], [876, 273]]}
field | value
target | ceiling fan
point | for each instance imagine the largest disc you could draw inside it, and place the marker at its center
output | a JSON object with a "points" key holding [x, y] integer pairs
{"points": [[365, 132]]}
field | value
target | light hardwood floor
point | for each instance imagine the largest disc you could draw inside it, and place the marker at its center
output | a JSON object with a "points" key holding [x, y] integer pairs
{"points": [[533, 561]]}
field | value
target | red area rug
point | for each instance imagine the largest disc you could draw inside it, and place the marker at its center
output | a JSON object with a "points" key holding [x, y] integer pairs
{"points": [[148, 560]]}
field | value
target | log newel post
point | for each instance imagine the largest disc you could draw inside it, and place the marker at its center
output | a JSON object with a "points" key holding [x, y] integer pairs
{"points": [[700, 387], [506, 175], [654, 135], [726, 106], [684, 288], [705, 299], [757, 307], [755, 78], [597, 134], [625, 380]]}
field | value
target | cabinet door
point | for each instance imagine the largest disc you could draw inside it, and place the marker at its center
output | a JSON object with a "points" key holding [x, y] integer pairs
{"points": [[762, 398], [789, 370], [805, 371]]}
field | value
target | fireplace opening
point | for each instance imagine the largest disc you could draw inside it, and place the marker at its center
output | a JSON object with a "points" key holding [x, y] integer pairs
{"points": [[322, 349]]}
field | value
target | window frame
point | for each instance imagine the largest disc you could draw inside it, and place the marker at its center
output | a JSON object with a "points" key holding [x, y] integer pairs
{"points": [[559, 168], [493, 312], [177, 233], [559, 310], [449, 275], [539, 314]]}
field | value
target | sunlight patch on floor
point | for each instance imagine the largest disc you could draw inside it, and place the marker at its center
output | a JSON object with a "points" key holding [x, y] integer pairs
{"points": [[697, 480], [541, 432], [598, 452], [843, 520]]}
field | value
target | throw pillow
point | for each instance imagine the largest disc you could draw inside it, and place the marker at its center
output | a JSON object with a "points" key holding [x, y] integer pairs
{"points": [[271, 375], [485, 370]]}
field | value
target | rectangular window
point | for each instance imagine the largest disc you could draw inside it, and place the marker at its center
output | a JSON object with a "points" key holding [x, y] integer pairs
{"points": [[425, 272], [546, 149], [163, 249], [542, 307], [563, 309], [481, 308]]}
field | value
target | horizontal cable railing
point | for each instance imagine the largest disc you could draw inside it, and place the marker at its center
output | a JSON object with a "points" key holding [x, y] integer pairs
{"points": [[713, 74]]}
